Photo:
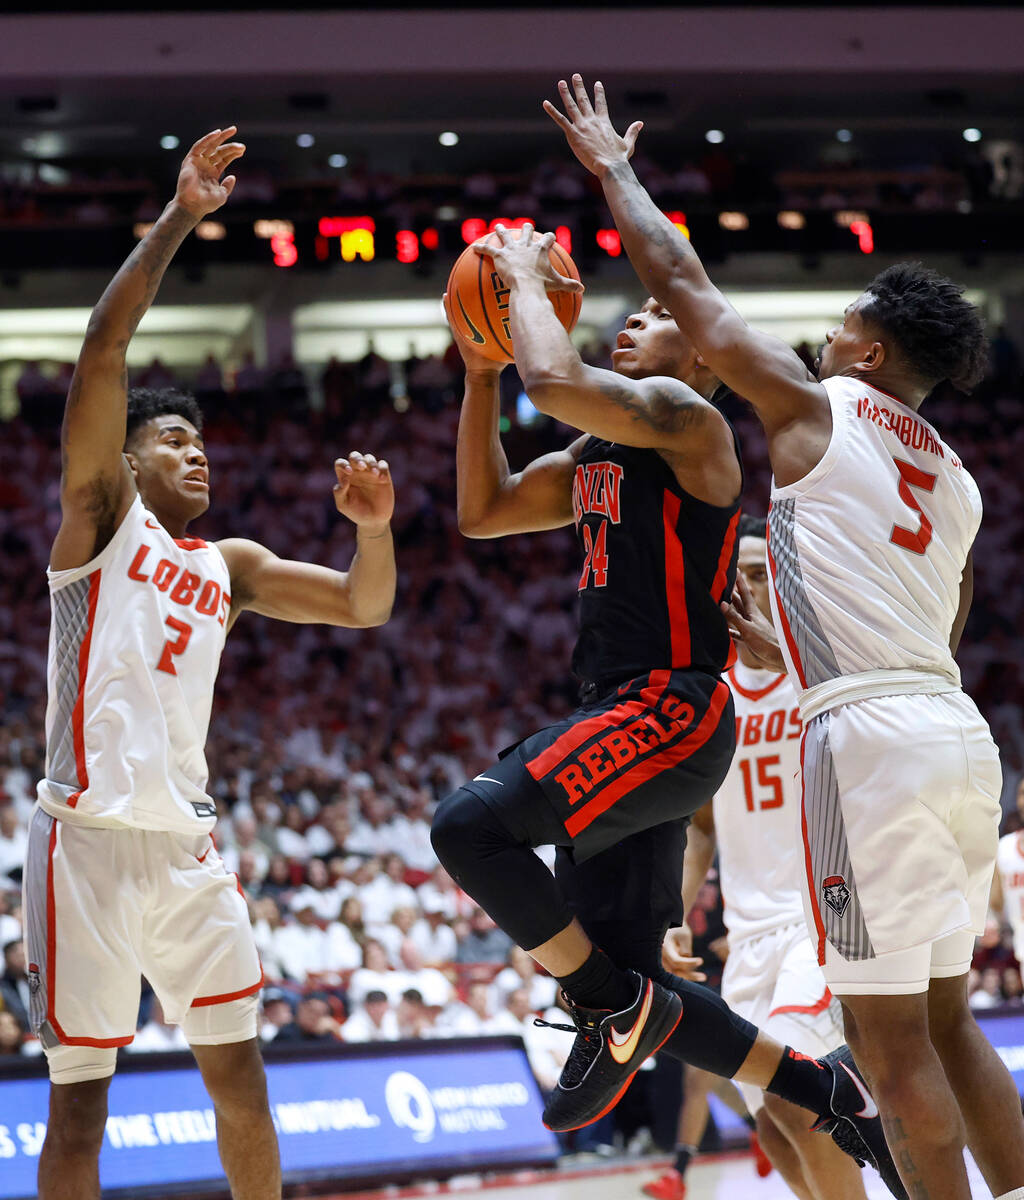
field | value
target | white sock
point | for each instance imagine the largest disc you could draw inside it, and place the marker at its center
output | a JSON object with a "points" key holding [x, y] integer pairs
{"points": [[1016, 1194]]}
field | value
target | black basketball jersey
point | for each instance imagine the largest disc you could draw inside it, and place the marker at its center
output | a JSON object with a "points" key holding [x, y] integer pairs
{"points": [[657, 564]]}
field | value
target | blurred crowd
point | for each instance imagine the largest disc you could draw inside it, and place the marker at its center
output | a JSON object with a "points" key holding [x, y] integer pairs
{"points": [[329, 748], [832, 177]]}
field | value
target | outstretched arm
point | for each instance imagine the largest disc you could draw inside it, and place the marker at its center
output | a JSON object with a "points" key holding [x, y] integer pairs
{"points": [[492, 501], [762, 369], [659, 413], [96, 484], [307, 593], [966, 599]]}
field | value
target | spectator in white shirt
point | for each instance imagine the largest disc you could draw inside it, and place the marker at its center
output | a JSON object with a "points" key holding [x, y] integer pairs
{"points": [[470, 1019], [13, 842], [522, 972], [412, 833], [386, 892], [301, 946], [376, 974], [290, 835], [442, 893], [371, 833], [432, 985], [434, 937], [415, 1019], [318, 892], [266, 921], [10, 926], [373, 1021], [344, 952], [392, 935], [244, 838]]}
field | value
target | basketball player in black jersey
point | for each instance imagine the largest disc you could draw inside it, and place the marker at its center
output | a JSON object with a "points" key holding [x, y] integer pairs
{"points": [[653, 490]]}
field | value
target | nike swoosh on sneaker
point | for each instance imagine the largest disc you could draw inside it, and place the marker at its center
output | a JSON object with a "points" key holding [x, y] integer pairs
{"points": [[477, 337], [870, 1109], [622, 1046], [487, 779]]}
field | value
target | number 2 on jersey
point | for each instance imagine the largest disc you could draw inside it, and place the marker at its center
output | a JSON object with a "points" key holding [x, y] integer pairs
{"points": [[914, 540], [596, 561], [175, 647]]}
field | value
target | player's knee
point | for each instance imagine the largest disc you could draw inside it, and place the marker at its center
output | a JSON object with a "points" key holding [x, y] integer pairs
{"points": [[78, 1116], [461, 829]]}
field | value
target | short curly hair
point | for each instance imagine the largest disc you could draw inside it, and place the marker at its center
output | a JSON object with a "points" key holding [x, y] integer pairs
{"points": [[146, 403], [751, 526], [938, 333]]}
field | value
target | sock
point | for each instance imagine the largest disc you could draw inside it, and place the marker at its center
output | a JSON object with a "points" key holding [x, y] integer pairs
{"points": [[600, 984], [683, 1156], [803, 1081], [1016, 1194]]}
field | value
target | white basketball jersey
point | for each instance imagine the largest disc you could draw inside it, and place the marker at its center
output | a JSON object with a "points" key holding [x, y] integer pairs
{"points": [[135, 642], [757, 808], [867, 551], [1010, 862]]}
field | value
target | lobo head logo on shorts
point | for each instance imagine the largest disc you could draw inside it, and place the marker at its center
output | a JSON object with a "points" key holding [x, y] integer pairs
{"points": [[836, 894]]}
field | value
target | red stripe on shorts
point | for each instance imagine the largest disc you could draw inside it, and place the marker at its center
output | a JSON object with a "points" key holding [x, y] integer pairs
{"points": [[671, 756], [810, 1010], [206, 1001]]}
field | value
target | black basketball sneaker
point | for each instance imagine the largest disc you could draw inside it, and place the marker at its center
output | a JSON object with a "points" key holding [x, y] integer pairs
{"points": [[608, 1051], [854, 1122]]}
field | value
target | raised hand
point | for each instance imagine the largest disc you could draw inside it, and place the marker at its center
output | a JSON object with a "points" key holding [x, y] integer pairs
{"points": [[588, 128], [747, 624], [522, 258], [200, 188], [364, 492]]}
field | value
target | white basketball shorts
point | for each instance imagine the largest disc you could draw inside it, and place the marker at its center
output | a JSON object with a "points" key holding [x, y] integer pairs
{"points": [[900, 823], [774, 981], [104, 907]]}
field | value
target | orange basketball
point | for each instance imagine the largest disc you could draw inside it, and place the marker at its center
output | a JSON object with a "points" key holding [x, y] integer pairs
{"points": [[479, 300]]}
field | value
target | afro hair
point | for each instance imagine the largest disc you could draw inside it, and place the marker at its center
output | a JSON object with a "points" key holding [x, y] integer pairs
{"points": [[146, 403], [938, 333]]}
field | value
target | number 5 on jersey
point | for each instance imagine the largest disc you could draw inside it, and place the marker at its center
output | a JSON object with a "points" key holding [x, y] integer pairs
{"points": [[914, 540], [175, 646]]}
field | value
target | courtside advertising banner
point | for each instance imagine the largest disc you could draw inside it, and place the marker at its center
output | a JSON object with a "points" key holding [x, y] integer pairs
{"points": [[386, 1112]]}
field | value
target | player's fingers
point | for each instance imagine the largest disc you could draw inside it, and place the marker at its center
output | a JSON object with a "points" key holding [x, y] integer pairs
{"points": [[382, 466], [228, 183], [580, 89], [568, 99], [556, 116], [526, 233], [562, 283], [632, 133], [206, 142], [227, 154]]}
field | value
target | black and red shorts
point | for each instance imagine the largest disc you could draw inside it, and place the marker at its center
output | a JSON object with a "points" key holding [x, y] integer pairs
{"points": [[652, 750]]}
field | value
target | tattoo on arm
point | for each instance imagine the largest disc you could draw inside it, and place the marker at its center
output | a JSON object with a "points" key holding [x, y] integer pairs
{"points": [[661, 408]]}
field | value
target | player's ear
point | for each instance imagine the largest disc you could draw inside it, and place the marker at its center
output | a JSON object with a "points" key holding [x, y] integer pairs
{"points": [[873, 358], [132, 462]]}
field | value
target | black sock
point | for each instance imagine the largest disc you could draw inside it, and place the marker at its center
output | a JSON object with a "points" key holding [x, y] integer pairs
{"points": [[802, 1080], [683, 1156], [599, 983]]}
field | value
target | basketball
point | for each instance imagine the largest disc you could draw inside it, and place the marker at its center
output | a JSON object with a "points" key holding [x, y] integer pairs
{"points": [[478, 300]]}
